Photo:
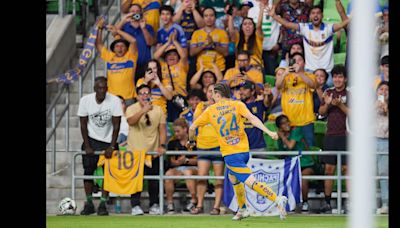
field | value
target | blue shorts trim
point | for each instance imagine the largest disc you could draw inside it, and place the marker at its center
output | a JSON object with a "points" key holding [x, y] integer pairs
{"points": [[236, 165]]}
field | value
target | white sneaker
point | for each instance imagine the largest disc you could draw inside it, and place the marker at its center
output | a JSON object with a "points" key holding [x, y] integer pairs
{"points": [[137, 211], [383, 210], [281, 202], [305, 207], [170, 209], [155, 209], [241, 214]]}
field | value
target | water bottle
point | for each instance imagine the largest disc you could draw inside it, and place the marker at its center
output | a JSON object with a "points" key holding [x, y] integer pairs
{"points": [[118, 205]]}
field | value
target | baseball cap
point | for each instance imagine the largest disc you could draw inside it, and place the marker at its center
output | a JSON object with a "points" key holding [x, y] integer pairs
{"points": [[246, 3], [249, 85]]}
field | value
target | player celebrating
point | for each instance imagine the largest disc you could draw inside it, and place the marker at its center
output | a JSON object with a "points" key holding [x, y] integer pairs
{"points": [[226, 116]]}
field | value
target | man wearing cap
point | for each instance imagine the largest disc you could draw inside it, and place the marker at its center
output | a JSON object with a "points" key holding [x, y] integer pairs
{"points": [[174, 67], [257, 108], [245, 7], [121, 63], [236, 76], [142, 32]]}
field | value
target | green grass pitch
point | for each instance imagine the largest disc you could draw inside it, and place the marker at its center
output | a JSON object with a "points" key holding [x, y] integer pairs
{"points": [[203, 221]]}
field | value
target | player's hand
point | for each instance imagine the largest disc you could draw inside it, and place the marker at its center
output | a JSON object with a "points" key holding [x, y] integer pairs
{"points": [[89, 151], [108, 152]]}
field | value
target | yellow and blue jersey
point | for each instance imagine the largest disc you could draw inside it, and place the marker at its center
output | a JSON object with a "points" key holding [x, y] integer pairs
{"points": [[151, 11], [120, 72], [207, 136], [227, 118]]}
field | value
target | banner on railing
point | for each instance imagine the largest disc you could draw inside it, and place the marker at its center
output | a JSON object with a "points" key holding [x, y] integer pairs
{"points": [[123, 172], [72, 75], [283, 176]]}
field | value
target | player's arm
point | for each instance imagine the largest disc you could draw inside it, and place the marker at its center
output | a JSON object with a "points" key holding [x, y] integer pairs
{"points": [[202, 120], [244, 111]]}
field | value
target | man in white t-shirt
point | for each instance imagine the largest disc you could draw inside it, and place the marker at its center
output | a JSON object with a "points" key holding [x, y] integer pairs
{"points": [[100, 116], [271, 31], [317, 38]]}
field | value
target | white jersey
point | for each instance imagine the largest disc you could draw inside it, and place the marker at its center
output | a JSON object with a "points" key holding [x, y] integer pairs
{"points": [[318, 46], [270, 27], [100, 115]]}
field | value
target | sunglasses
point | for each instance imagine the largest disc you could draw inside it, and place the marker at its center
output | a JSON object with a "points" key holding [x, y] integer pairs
{"points": [[294, 82], [148, 123]]}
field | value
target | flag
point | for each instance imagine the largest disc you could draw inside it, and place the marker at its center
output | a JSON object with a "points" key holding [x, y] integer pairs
{"points": [[123, 172], [283, 176], [73, 74]]}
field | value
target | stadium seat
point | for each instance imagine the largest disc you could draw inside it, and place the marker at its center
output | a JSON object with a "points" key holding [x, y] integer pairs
{"points": [[270, 79]]}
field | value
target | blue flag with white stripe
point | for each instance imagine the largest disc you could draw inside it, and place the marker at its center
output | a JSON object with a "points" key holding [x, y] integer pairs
{"points": [[283, 176]]}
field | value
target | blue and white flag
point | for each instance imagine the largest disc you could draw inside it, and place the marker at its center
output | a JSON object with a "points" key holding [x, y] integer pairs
{"points": [[283, 176]]}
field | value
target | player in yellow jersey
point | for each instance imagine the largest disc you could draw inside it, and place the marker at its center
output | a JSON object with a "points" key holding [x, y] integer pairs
{"points": [[227, 117]]}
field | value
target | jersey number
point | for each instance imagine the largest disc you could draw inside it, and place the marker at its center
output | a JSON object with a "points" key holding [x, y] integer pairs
{"points": [[233, 126], [123, 161]]}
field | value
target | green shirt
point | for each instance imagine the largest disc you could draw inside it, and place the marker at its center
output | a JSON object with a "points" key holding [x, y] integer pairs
{"points": [[296, 134]]}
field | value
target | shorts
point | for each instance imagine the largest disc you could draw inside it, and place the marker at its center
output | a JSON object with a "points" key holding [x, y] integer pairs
{"points": [[185, 167], [334, 143], [236, 165], [215, 159], [90, 161]]}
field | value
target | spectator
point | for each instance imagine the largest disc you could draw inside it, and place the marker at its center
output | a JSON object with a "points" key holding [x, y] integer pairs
{"points": [[321, 76], [169, 27], [276, 102], [257, 108], [317, 38], [296, 47], [174, 66], [181, 165], [297, 101], [271, 32], [383, 32], [203, 78], [121, 63], [150, 10], [230, 9], [100, 116], [142, 32], [207, 141], [236, 76], [218, 6], [147, 131], [384, 74], [335, 105], [245, 7], [161, 89], [293, 11], [382, 135], [209, 44], [292, 138], [249, 38], [194, 98], [124, 126]]}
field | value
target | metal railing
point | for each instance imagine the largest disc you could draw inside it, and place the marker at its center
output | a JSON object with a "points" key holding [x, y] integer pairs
{"points": [[161, 176], [65, 90]]}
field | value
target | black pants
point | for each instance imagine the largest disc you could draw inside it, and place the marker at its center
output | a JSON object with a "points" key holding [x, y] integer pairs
{"points": [[90, 161], [153, 185]]}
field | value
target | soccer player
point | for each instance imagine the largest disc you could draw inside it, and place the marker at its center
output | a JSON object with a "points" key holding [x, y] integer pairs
{"points": [[227, 117]]}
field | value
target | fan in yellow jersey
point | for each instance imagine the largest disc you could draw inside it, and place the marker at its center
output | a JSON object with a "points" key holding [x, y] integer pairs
{"points": [[150, 8], [227, 117], [121, 63]]}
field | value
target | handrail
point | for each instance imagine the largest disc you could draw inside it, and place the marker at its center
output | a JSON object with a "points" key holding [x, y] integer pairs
{"points": [[161, 176], [51, 110]]}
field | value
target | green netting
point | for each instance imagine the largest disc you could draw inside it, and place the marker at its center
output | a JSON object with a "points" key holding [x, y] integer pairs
{"points": [[270, 79]]}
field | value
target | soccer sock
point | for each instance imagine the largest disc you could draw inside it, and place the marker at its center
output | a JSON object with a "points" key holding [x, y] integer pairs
{"points": [[103, 199], [240, 194], [328, 199], [89, 198], [264, 190]]}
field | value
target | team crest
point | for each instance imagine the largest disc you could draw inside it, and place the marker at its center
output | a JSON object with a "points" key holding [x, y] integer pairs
{"points": [[323, 36], [259, 202]]}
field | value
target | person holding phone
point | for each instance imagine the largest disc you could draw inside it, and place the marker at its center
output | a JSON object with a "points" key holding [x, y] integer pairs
{"points": [[236, 76]]}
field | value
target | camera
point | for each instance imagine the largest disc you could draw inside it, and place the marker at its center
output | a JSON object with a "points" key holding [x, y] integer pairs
{"points": [[136, 16], [242, 70]]}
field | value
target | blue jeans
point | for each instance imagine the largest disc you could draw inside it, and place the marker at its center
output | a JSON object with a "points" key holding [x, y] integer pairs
{"points": [[308, 132], [383, 168]]}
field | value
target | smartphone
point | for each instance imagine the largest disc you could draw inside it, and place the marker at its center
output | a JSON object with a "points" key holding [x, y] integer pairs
{"points": [[149, 71], [242, 70], [381, 98], [291, 63]]}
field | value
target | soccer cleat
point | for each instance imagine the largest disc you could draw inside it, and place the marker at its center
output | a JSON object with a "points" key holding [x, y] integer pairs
{"points": [[155, 209], [241, 214], [102, 209], [88, 209], [170, 209], [281, 202], [136, 210]]}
